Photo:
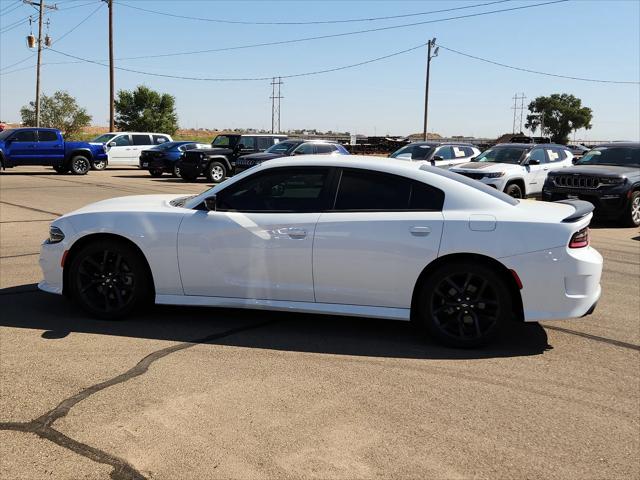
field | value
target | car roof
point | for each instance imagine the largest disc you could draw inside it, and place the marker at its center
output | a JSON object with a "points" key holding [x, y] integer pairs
{"points": [[437, 144]]}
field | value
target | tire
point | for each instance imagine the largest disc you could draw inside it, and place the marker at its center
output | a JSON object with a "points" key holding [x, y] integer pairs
{"points": [[98, 165], [176, 170], [631, 217], [464, 305], [156, 172], [215, 172], [80, 165], [514, 190], [109, 279], [61, 170]]}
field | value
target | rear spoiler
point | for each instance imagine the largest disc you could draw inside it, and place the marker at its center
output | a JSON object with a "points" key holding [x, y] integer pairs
{"points": [[582, 207]]}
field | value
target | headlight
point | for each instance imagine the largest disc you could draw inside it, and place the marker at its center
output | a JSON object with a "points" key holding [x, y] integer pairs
{"points": [[612, 180], [55, 235], [494, 175]]}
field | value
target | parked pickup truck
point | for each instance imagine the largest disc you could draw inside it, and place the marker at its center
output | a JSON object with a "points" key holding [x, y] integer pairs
{"points": [[45, 146]]}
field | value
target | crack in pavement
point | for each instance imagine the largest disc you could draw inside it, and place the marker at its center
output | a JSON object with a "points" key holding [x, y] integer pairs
{"points": [[610, 341], [22, 255], [31, 208], [42, 426]]}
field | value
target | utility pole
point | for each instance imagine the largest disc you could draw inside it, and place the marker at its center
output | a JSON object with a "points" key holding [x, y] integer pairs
{"points": [[430, 44], [275, 104], [111, 74], [41, 8], [515, 108]]}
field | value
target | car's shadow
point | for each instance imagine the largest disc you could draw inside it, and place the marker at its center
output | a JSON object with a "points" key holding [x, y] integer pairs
{"points": [[166, 179], [25, 307]]}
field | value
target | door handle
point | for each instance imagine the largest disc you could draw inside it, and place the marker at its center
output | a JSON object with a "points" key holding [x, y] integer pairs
{"points": [[418, 231], [296, 233]]}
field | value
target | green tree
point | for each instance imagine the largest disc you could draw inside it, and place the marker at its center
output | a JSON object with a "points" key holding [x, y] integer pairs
{"points": [[558, 115], [59, 111], [145, 110]]}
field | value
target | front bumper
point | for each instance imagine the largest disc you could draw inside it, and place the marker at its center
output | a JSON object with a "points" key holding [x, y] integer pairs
{"points": [[50, 263], [558, 283], [609, 203]]}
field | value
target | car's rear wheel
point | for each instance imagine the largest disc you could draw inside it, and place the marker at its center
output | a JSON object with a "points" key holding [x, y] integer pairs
{"points": [[176, 170], [108, 279], [99, 164], [215, 172], [513, 190], [155, 172], [80, 165], [464, 305], [631, 217]]}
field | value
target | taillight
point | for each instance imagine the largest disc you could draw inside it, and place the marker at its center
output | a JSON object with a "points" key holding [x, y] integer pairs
{"points": [[580, 238]]}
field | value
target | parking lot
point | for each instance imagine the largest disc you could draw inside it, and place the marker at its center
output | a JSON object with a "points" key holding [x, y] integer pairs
{"points": [[209, 393]]}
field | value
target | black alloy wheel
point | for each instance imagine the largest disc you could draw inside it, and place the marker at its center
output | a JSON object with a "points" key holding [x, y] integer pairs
{"points": [[464, 305], [155, 172], [514, 191], [108, 279], [176, 170], [80, 165]]}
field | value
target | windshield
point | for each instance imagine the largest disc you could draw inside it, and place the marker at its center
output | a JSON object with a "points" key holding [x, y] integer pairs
{"points": [[225, 141], [511, 155], [104, 138], [414, 152], [5, 133], [282, 147], [619, 156]]}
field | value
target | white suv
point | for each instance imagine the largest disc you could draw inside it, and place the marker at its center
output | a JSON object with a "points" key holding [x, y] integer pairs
{"points": [[123, 148], [518, 169], [439, 154]]}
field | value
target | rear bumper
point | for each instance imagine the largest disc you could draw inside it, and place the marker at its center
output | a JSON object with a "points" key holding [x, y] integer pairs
{"points": [[157, 164], [558, 283]]}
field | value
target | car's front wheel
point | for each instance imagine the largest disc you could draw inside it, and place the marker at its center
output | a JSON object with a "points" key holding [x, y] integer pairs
{"points": [[215, 172], [80, 165], [514, 190], [463, 304], [108, 279], [631, 217]]}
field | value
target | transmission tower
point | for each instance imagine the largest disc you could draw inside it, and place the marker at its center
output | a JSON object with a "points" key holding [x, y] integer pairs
{"points": [[275, 104], [517, 108]]}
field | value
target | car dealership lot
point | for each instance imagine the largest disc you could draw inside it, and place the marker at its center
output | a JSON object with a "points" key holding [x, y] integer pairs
{"points": [[195, 393]]}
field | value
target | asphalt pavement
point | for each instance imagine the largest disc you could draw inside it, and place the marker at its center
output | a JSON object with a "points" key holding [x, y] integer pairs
{"points": [[208, 393]]}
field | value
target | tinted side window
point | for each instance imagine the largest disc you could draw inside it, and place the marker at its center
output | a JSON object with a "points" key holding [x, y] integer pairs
{"points": [[121, 141], [47, 136], [264, 143], [158, 139], [25, 136], [538, 154], [324, 148], [556, 154], [468, 151], [248, 143], [425, 198], [305, 149], [445, 152], [141, 139], [459, 152], [278, 190]]}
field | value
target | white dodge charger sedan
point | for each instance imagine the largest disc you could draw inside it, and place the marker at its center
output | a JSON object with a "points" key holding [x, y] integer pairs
{"points": [[368, 237]]}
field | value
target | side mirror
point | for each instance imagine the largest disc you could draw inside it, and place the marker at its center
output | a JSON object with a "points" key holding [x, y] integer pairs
{"points": [[473, 159], [437, 158], [113, 144], [240, 146], [210, 203], [534, 162]]}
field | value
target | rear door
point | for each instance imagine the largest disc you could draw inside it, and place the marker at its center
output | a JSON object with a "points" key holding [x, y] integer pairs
{"points": [[140, 141], [23, 148], [50, 148], [370, 248]]}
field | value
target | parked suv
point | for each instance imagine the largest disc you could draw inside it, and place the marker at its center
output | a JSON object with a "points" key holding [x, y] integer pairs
{"points": [[607, 176], [439, 154], [164, 157], [45, 146], [219, 161], [123, 148], [518, 169], [289, 148]]}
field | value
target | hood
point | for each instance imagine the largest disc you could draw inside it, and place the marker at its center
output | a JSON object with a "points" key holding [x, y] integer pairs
{"points": [[261, 157], [486, 167], [133, 203], [591, 170]]}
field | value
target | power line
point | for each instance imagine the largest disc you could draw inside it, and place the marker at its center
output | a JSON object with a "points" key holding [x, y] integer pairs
{"points": [[81, 22], [245, 79], [344, 34], [11, 8], [582, 79], [312, 22], [14, 25]]}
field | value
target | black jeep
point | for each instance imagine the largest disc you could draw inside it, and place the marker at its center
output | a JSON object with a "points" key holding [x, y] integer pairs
{"points": [[607, 176], [218, 162]]}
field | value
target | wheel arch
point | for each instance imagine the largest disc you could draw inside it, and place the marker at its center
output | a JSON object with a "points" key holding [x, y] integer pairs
{"points": [[501, 269], [93, 237], [220, 158], [518, 181], [83, 152]]}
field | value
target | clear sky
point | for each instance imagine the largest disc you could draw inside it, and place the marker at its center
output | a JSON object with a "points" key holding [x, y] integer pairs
{"points": [[592, 39]]}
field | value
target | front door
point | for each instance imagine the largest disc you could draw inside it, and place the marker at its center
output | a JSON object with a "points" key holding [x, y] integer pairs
{"points": [[372, 246], [119, 149], [22, 148], [536, 174], [258, 243]]}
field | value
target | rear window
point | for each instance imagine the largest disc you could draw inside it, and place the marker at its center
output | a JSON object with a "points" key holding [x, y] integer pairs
{"points": [[47, 136], [471, 183]]}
